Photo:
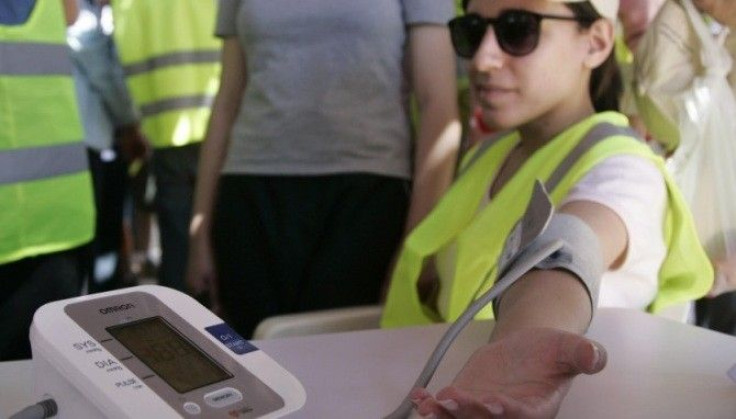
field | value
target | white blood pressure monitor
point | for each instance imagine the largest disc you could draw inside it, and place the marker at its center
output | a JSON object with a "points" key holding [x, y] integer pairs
{"points": [[153, 352]]}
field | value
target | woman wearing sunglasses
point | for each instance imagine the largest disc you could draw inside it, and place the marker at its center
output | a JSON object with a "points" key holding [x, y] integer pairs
{"points": [[544, 76]]}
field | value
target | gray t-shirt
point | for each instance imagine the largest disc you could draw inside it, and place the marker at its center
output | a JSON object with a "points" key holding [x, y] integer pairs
{"points": [[327, 88]]}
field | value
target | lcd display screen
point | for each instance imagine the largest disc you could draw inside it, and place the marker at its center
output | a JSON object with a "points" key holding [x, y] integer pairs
{"points": [[170, 355]]}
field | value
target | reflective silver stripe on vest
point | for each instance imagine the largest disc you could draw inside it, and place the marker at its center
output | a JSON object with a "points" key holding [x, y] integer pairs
{"points": [[482, 148], [17, 58], [185, 102], [168, 60], [596, 134], [41, 162]]}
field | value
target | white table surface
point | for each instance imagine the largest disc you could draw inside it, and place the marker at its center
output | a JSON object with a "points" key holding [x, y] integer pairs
{"points": [[657, 368]]}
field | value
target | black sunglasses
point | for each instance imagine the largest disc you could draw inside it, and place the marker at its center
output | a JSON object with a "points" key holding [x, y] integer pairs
{"points": [[517, 31]]}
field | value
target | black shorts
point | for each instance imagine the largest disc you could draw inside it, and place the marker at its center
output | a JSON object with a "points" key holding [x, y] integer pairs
{"points": [[287, 244]]}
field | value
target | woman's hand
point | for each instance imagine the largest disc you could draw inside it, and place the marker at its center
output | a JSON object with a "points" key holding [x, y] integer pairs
{"points": [[523, 375], [201, 278]]}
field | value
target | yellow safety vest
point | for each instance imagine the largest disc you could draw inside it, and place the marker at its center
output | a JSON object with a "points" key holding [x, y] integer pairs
{"points": [[171, 59], [46, 202], [479, 235]]}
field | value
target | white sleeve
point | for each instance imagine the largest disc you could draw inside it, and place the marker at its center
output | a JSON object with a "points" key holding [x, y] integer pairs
{"points": [[634, 189]]}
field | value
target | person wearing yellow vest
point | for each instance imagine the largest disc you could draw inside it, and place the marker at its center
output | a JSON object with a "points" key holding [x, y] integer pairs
{"points": [[172, 63], [543, 71], [46, 204]]}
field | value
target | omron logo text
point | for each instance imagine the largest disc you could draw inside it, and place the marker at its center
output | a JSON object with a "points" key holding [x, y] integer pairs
{"points": [[113, 309]]}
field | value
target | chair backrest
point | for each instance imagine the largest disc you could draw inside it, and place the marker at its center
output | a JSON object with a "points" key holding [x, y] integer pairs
{"points": [[319, 322], [681, 312]]}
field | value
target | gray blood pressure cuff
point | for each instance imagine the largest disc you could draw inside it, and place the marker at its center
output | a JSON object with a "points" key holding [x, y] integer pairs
{"points": [[580, 254]]}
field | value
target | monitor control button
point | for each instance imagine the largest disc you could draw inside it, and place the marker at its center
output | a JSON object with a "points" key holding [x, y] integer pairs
{"points": [[192, 408], [223, 397]]}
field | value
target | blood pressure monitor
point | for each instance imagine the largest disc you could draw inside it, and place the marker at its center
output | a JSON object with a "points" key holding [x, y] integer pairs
{"points": [[153, 352]]}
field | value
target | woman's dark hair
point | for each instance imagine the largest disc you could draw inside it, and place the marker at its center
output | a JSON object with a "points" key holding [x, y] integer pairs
{"points": [[606, 85]]}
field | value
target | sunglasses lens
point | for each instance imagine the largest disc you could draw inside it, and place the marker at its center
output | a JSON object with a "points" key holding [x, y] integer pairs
{"points": [[467, 34], [517, 32]]}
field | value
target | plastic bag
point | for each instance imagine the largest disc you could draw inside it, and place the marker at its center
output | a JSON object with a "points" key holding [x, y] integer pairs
{"points": [[704, 165], [703, 111]]}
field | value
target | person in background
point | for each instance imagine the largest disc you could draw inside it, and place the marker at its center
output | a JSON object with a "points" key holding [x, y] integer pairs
{"points": [[634, 17], [106, 109], [612, 197], [718, 310], [172, 64], [46, 201], [310, 173]]}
